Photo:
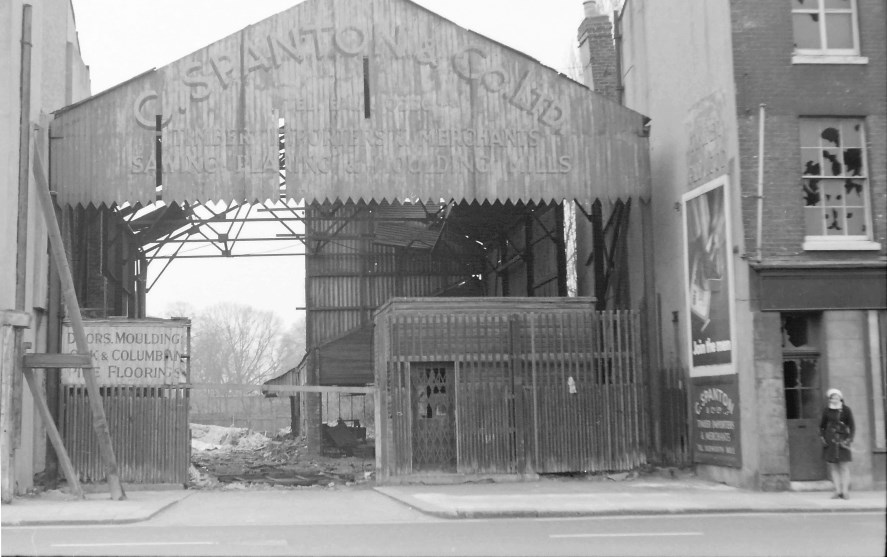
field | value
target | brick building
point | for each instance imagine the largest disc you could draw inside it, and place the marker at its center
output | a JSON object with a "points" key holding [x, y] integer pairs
{"points": [[769, 170]]}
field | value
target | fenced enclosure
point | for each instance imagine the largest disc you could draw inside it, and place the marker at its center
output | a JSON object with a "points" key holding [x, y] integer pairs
{"points": [[509, 385], [149, 433], [240, 406], [249, 406]]}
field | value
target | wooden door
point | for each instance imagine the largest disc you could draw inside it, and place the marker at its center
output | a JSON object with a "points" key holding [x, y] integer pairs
{"points": [[803, 404], [434, 439]]}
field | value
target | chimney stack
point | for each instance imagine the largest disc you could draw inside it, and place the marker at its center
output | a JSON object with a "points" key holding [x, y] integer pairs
{"points": [[597, 51]]}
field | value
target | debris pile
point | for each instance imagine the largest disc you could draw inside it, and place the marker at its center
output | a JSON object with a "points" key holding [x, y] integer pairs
{"points": [[238, 458]]}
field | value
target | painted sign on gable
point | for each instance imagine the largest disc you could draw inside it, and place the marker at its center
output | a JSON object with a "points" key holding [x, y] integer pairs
{"points": [[372, 99]]}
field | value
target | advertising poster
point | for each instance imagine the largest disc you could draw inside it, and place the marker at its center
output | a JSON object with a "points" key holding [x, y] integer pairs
{"points": [[715, 420], [132, 352], [709, 279]]}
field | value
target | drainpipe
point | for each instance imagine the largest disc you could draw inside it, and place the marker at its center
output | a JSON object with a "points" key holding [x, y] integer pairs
{"points": [[24, 159], [617, 40], [760, 241]]}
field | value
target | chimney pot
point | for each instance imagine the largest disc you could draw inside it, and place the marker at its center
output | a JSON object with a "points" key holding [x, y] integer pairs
{"points": [[591, 8]]}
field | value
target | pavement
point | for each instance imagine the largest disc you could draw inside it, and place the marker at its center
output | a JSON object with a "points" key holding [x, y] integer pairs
{"points": [[544, 497]]}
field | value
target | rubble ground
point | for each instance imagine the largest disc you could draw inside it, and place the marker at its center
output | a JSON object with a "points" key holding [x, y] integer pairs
{"points": [[239, 458]]}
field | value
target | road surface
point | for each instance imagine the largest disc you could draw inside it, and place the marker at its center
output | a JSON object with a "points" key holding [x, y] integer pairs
{"points": [[802, 534]]}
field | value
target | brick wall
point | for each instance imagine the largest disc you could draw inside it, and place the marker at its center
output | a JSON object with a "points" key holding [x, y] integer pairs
{"points": [[764, 72], [598, 53]]}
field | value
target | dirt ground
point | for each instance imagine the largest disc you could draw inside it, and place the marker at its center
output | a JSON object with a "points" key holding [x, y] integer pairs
{"points": [[237, 458]]}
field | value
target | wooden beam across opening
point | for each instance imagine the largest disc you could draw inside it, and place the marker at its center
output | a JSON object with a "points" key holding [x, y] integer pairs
{"points": [[56, 361], [285, 388]]}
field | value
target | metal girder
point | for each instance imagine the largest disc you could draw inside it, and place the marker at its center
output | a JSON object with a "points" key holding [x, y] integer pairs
{"points": [[606, 242], [164, 234]]}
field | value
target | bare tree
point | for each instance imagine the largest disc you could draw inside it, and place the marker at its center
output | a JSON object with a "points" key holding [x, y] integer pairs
{"points": [[233, 343], [291, 344]]}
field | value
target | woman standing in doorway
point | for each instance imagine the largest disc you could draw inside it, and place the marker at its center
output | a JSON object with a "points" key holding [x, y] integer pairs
{"points": [[836, 430]]}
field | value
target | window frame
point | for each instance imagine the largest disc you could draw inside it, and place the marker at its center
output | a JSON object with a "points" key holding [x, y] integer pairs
{"points": [[849, 242], [812, 351], [841, 53]]}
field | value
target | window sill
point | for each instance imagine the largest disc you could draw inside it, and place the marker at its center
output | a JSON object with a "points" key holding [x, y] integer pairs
{"points": [[841, 245], [829, 59]]}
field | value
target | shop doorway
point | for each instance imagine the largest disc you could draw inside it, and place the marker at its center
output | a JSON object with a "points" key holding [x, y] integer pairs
{"points": [[434, 428], [802, 376]]}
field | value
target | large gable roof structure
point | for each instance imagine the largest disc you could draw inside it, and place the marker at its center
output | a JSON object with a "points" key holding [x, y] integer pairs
{"points": [[376, 99]]}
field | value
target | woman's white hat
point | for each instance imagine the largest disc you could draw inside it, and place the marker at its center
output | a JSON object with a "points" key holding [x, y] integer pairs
{"points": [[834, 392]]}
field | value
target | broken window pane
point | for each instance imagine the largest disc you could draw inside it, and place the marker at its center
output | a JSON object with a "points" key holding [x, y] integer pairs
{"points": [[853, 162], [812, 194], [794, 330], [833, 192], [810, 162], [806, 31], [838, 5], [832, 162], [853, 194], [839, 31], [833, 147], [831, 133], [834, 222]]}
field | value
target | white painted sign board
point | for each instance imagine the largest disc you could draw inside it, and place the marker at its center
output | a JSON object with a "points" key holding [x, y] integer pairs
{"points": [[148, 352]]}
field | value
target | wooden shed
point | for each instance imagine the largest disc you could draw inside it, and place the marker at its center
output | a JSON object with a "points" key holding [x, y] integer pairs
{"points": [[506, 386]]}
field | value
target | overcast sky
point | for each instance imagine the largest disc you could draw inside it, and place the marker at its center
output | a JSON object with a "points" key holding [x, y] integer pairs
{"points": [[120, 39]]}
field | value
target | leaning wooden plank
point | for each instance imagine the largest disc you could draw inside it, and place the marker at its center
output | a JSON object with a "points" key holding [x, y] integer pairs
{"points": [[53, 433], [100, 422]]}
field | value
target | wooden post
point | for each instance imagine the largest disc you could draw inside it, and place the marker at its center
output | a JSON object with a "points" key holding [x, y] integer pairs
{"points": [[295, 415], [600, 253], [53, 393], [11, 325], [57, 247], [529, 256], [518, 417]]}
